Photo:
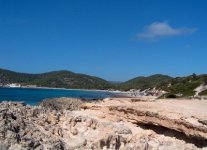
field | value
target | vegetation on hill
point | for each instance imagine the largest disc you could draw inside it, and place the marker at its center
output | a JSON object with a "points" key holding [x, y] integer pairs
{"points": [[7, 76], [176, 87], [58, 79], [145, 82], [183, 86], [203, 93]]}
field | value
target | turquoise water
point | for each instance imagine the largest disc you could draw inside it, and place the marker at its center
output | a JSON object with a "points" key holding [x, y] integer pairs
{"points": [[34, 96]]}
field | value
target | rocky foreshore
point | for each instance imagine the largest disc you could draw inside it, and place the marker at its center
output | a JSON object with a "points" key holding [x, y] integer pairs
{"points": [[118, 123]]}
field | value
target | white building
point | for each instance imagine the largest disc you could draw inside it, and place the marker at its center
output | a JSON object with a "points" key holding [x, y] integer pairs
{"points": [[13, 85]]}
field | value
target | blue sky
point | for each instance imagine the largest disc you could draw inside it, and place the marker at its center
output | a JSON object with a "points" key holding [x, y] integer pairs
{"points": [[113, 39]]}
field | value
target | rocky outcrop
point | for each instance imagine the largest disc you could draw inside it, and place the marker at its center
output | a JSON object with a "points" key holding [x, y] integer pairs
{"points": [[102, 125], [163, 117], [20, 128], [200, 89], [147, 117], [26, 127], [196, 133], [63, 103]]}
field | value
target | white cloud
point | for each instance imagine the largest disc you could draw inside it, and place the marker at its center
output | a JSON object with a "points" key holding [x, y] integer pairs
{"points": [[158, 30]]}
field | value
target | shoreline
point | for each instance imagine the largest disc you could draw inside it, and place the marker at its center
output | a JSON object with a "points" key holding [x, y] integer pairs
{"points": [[34, 95], [51, 88], [116, 93]]}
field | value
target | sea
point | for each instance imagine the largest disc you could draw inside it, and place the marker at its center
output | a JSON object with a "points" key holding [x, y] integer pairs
{"points": [[33, 96]]}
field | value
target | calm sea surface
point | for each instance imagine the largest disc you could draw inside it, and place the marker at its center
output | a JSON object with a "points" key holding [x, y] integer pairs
{"points": [[34, 96]]}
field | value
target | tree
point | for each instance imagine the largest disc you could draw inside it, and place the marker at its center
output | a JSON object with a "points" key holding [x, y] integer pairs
{"points": [[194, 76]]}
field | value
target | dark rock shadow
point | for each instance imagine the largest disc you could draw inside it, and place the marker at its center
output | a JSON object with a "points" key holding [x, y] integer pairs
{"points": [[197, 141]]}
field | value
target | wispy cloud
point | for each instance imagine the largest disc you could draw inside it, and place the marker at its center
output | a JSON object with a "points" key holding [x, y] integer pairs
{"points": [[158, 30]]}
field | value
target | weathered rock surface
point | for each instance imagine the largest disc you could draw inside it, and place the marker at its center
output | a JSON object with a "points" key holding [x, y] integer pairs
{"points": [[63, 103], [110, 124]]}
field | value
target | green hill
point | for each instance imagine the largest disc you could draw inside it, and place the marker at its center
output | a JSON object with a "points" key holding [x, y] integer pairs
{"points": [[145, 82], [58, 79], [67, 79], [185, 85], [180, 85]]}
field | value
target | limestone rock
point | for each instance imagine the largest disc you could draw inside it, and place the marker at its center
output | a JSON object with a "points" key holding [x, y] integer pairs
{"points": [[42, 128], [61, 103]]}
